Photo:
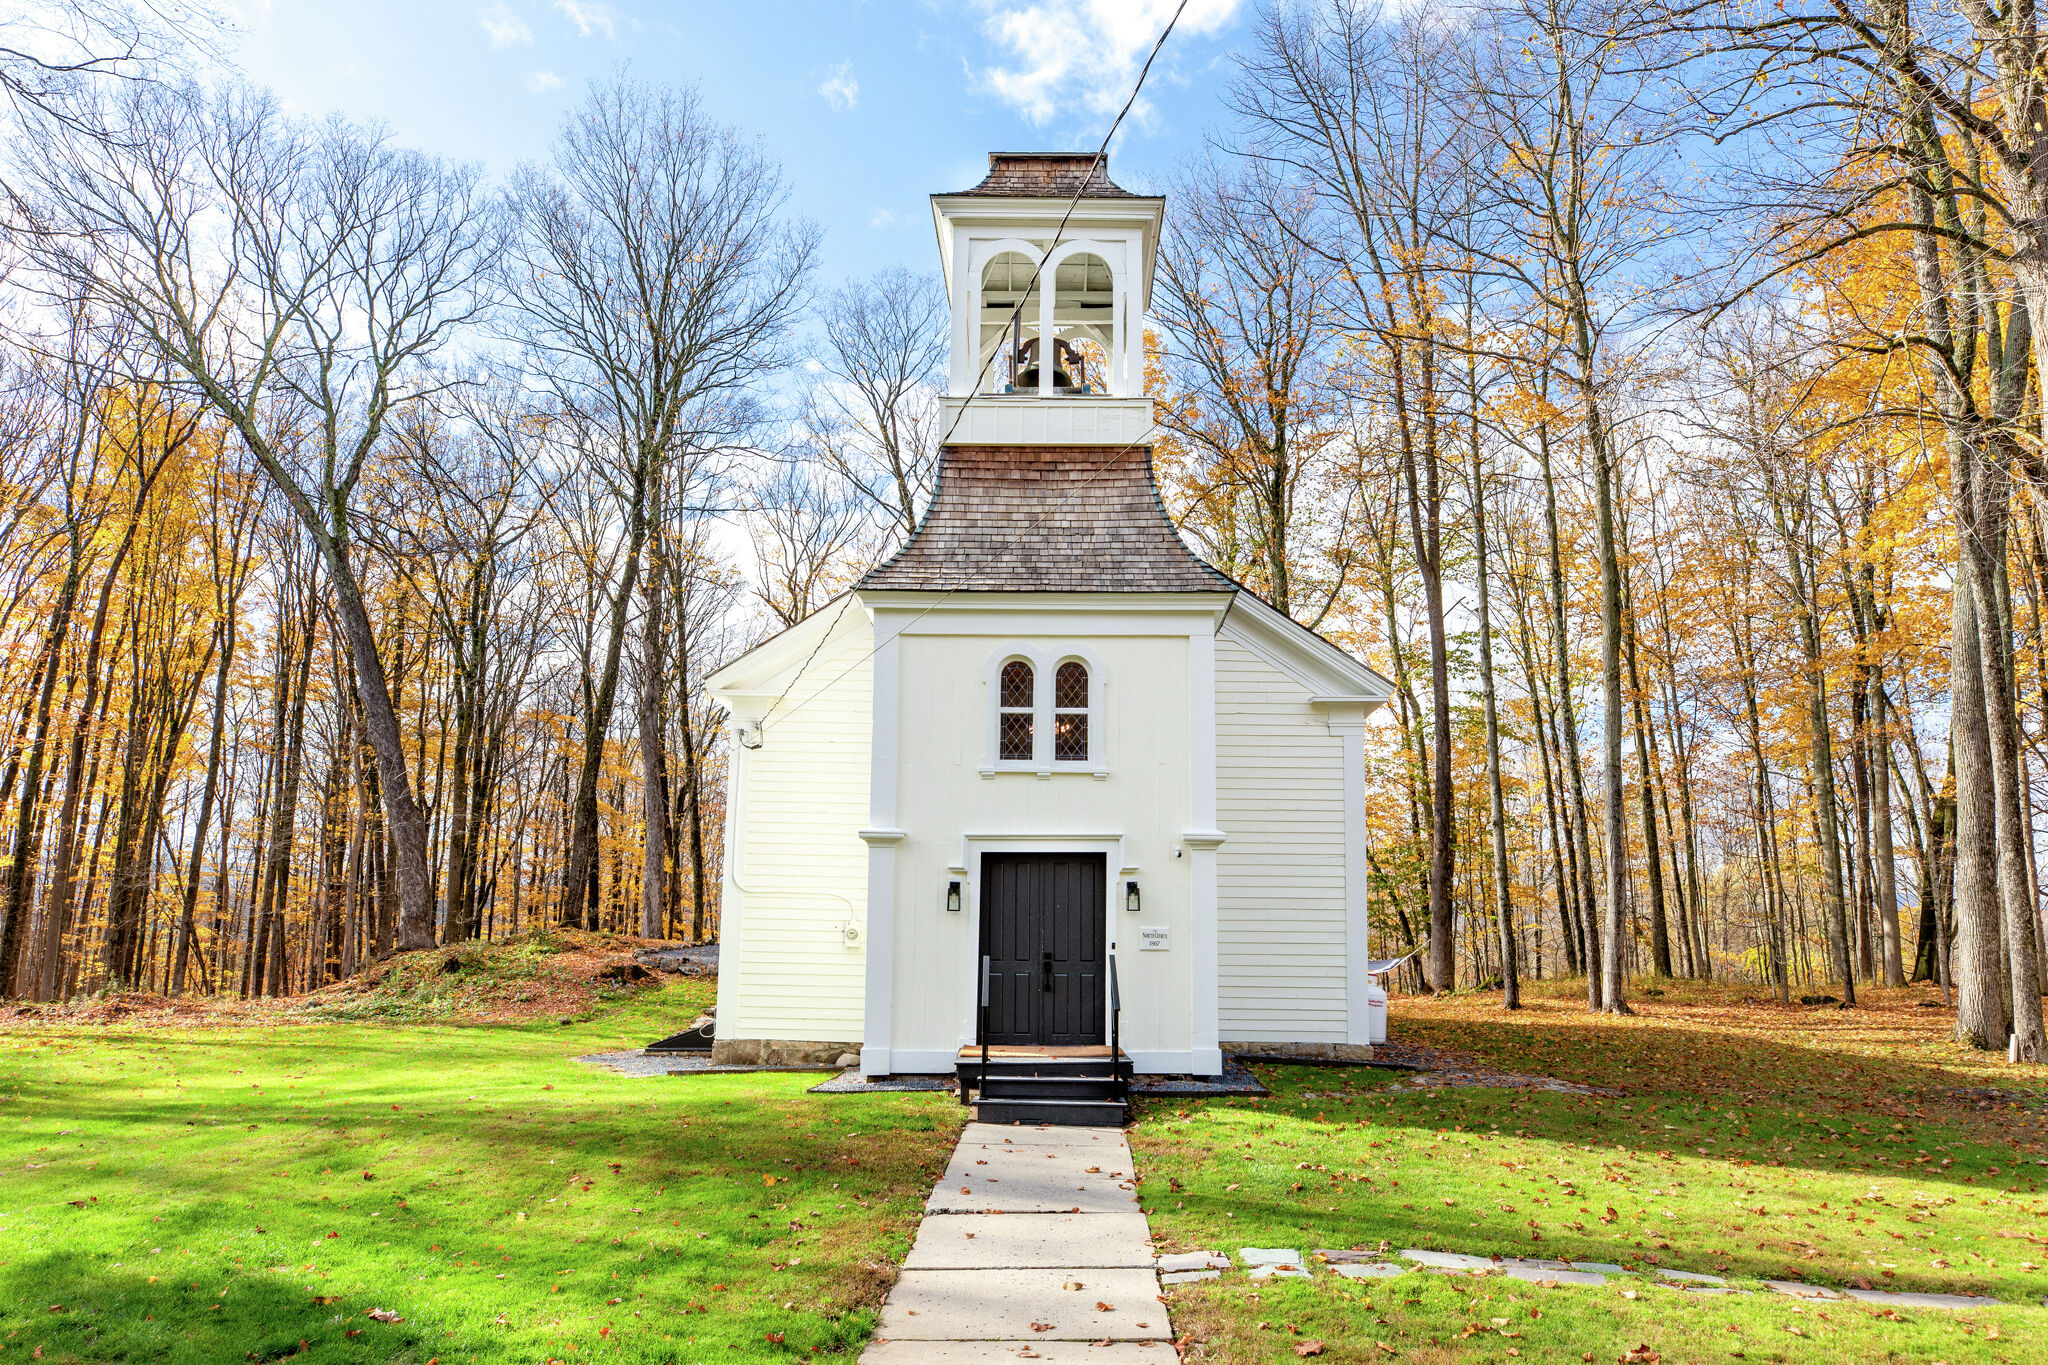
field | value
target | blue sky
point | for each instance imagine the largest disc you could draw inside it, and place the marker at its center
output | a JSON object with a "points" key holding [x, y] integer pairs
{"points": [[869, 106]]}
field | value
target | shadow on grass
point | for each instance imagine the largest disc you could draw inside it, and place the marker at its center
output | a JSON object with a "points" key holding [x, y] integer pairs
{"points": [[500, 1173], [63, 1306], [1820, 1053], [1538, 1173]]}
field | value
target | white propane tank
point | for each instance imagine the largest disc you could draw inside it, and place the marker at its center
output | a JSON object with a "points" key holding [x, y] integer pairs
{"points": [[1375, 1012]]}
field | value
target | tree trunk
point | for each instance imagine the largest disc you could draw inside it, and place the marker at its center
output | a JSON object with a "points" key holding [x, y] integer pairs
{"points": [[653, 749], [207, 794], [1567, 724], [1983, 1008], [2013, 825]]}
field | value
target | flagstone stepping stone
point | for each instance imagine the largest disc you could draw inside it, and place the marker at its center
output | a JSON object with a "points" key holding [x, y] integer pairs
{"points": [[1188, 1276], [1689, 1276], [1369, 1270], [1512, 1263], [1269, 1256], [1901, 1299], [1284, 1272], [1328, 1257], [1194, 1260], [1796, 1289], [1448, 1260], [1538, 1276]]}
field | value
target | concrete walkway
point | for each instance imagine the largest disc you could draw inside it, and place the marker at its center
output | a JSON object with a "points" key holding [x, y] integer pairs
{"points": [[1032, 1248]]}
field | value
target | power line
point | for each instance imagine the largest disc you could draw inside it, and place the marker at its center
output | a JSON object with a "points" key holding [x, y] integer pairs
{"points": [[1016, 311]]}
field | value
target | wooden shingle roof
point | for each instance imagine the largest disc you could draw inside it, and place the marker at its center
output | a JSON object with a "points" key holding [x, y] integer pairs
{"points": [[1046, 519], [1047, 175]]}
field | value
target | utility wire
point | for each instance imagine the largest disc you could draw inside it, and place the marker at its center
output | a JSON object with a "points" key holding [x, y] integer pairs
{"points": [[846, 598]]}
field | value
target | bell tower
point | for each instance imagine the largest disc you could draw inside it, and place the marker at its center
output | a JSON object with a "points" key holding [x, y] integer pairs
{"points": [[1067, 367]]}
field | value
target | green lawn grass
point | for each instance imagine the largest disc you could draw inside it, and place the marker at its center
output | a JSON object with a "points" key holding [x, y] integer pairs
{"points": [[1757, 1179], [253, 1193]]}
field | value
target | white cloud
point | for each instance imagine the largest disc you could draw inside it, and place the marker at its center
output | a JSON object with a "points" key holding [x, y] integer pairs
{"points": [[540, 82], [1085, 53], [882, 218], [840, 89], [505, 27], [589, 16]]}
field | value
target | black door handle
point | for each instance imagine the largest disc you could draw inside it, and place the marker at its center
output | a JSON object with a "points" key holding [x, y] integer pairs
{"points": [[1046, 962]]}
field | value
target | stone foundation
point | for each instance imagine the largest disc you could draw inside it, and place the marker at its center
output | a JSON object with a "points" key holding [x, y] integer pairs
{"points": [[1301, 1052], [779, 1052]]}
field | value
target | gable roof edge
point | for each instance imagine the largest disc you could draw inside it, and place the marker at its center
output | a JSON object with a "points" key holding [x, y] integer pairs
{"points": [[1330, 672]]}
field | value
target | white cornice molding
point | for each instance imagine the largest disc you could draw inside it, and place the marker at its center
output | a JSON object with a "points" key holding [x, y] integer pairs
{"points": [[1332, 676], [964, 600]]}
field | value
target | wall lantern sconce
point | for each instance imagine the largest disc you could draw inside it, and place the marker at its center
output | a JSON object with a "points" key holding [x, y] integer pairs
{"points": [[1131, 897], [953, 897]]}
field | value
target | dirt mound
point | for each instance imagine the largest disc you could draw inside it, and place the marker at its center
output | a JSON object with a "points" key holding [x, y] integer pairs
{"points": [[562, 974], [131, 1007]]}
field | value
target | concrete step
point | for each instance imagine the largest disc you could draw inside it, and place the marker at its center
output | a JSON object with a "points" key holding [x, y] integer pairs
{"points": [[1065, 1113], [1053, 1088], [968, 1069]]}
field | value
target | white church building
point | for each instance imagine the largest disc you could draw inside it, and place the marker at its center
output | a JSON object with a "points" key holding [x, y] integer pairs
{"points": [[1045, 776]]}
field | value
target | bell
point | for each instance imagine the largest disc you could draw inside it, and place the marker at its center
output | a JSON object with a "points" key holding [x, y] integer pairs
{"points": [[1066, 363]]}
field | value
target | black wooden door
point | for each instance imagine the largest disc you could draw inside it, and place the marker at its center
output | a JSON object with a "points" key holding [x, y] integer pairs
{"points": [[1042, 929]]}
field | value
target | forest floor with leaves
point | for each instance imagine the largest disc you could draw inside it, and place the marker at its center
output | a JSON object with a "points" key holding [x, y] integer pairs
{"points": [[280, 1183], [1751, 1140]]}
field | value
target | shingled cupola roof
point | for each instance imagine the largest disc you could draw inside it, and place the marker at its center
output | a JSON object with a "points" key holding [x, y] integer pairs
{"points": [[1047, 175], [1046, 519]]}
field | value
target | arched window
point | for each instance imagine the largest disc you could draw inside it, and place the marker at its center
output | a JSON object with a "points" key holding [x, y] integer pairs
{"points": [[1013, 720], [1070, 712], [1084, 323], [1008, 332]]}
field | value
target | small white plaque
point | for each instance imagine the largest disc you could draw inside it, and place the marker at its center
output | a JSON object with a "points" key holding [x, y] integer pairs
{"points": [[1154, 938]]}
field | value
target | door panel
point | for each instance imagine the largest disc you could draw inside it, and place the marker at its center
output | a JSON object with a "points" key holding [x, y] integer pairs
{"points": [[1042, 928]]}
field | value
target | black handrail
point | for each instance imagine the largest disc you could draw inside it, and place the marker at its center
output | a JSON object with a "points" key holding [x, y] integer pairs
{"points": [[981, 1086], [1116, 1008]]}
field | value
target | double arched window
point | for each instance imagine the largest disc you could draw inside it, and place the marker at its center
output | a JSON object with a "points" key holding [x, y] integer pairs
{"points": [[1047, 714]]}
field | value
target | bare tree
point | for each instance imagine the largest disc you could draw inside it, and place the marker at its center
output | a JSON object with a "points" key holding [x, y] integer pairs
{"points": [[872, 416], [656, 278], [49, 50], [1359, 103], [1570, 215], [1248, 311], [807, 539], [300, 278]]}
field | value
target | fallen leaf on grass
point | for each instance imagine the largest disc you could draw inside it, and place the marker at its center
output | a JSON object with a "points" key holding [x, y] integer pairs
{"points": [[385, 1315], [1309, 1348], [1639, 1355]]}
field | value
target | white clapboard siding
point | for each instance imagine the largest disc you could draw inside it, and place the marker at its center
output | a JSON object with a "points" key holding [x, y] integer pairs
{"points": [[805, 869], [1280, 873]]}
